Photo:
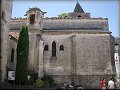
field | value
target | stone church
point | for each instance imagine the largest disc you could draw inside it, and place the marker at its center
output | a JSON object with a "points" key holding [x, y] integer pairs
{"points": [[77, 48]]}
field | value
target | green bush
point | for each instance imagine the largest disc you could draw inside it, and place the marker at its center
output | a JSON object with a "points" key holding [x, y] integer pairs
{"points": [[39, 83], [33, 77], [49, 81]]}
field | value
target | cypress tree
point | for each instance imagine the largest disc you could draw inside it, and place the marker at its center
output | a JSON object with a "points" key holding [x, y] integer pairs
{"points": [[22, 56]]}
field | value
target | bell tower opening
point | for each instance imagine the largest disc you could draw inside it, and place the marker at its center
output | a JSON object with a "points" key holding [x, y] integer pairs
{"points": [[32, 19], [35, 18]]}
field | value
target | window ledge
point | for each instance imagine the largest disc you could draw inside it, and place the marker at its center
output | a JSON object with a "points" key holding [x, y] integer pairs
{"points": [[53, 58]]}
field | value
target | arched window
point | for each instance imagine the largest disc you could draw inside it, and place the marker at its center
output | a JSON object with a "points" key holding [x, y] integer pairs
{"points": [[46, 48], [12, 55], [61, 48], [53, 49]]}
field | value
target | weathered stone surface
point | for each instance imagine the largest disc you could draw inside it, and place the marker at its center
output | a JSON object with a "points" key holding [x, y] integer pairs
{"points": [[84, 54], [6, 10], [88, 49], [12, 45], [58, 24]]}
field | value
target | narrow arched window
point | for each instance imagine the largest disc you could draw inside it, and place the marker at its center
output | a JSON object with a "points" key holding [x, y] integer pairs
{"points": [[12, 55], [46, 48], [54, 49], [61, 48]]}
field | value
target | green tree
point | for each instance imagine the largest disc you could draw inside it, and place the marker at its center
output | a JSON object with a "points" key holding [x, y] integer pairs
{"points": [[22, 56], [63, 15]]}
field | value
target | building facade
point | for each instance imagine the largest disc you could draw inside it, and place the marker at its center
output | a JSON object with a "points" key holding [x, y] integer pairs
{"points": [[5, 18], [77, 49], [117, 56]]}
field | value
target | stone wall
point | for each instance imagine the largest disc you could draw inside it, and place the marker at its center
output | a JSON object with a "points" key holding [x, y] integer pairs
{"points": [[32, 48], [93, 54], [6, 11], [12, 45], [60, 65], [91, 81], [86, 58], [34, 53], [94, 59]]}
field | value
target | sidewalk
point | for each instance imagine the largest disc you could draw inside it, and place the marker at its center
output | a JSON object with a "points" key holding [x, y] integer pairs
{"points": [[5, 86]]}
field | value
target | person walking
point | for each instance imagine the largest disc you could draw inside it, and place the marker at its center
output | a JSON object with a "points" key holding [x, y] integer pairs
{"points": [[111, 84], [103, 84]]}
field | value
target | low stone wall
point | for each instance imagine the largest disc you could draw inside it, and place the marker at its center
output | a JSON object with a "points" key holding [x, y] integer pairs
{"points": [[87, 81]]}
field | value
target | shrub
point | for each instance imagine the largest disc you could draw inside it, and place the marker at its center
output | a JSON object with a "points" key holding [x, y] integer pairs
{"points": [[33, 77], [49, 81], [39, 83]]}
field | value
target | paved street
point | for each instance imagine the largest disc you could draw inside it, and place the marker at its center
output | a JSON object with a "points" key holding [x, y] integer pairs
{"points": [[8, 86]]}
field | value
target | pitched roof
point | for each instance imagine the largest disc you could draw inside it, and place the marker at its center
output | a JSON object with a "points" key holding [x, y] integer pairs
{"points": [[78, 8], [62, 24], [58, 24], [14, 34]]}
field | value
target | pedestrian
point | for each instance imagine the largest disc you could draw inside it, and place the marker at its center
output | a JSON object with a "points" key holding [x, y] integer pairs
{"points": [[103, 84], [111, 84]]}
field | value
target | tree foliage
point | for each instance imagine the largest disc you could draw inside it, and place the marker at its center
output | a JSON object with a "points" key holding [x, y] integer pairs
{"points": [[49, 81], [39, 83], [22, 56], [63, 15]]}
